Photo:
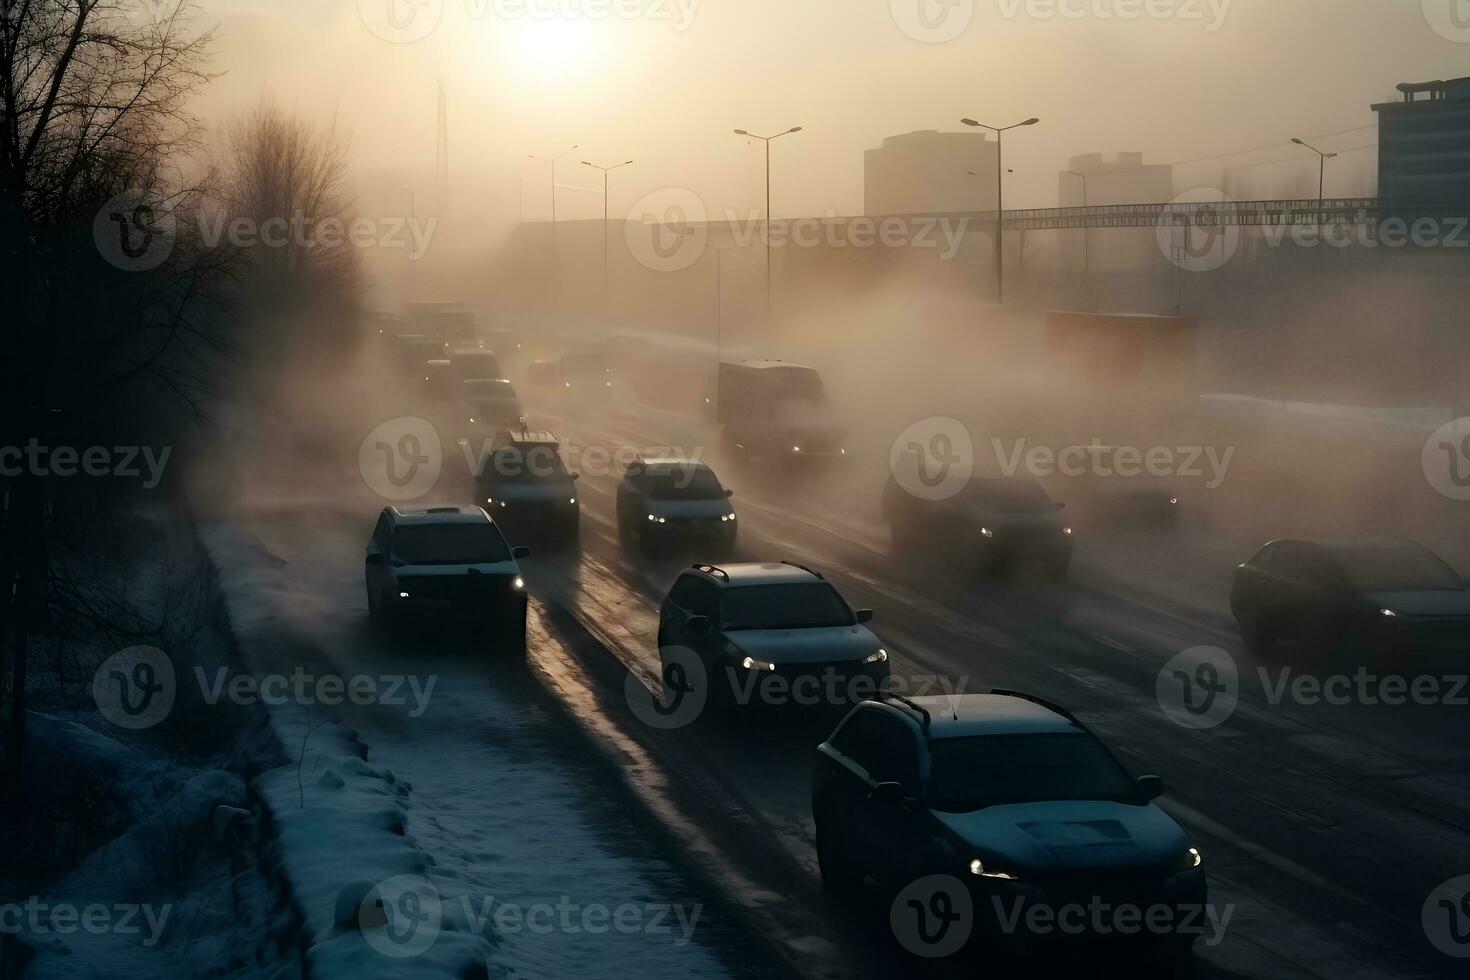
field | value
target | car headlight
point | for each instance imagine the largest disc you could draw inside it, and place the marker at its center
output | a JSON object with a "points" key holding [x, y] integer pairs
{"points": [[977, 867], [986, 532], [518, 583], [571, 500], [1173, 500], [403, 595], [657, 519], [1188, 860], [796, 449], [1388, 613], [750, 663], [727, 517], [1066, 530], [877, 658]]}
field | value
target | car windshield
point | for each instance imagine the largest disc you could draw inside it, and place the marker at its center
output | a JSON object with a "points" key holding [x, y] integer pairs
{"points": [[1010, 496], [535, 464], [682, 483], [979, 771], [449, 544], [1390, 568], [792, 606]]}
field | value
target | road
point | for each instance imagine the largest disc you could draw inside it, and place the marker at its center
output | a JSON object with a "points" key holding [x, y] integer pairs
{"points": [[1324, 827]]}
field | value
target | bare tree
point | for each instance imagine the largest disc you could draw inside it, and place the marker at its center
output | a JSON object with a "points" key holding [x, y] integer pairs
{"points": [[93, 97], [285, 176]]}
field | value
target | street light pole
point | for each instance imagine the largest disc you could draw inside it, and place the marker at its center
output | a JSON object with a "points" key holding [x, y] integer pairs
{"points": [[552, 161], [1322, 159], [1086, 232], [407, 257], [605, 171], [767, 141], [999, 198]]}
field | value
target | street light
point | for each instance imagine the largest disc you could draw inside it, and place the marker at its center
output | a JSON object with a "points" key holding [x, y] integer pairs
{"points": [[552, 161], [1321, 164], [605, 171], [408, 252], [1086, 232], [999, 197], [767, 141]]}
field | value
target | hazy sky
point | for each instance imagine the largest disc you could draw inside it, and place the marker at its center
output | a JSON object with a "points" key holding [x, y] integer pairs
{"points": [[665, 82]]}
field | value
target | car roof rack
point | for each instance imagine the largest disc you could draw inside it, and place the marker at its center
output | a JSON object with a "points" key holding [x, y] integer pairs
{"points": [[795, 564], [923, 713], [1043, 702], [714, 570]]}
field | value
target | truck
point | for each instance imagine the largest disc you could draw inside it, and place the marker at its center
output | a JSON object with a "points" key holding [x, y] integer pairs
{"points": [[775, 412]]}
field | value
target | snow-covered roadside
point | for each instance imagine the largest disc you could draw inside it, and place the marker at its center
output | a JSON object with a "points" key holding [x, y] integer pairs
{"points": [[337, 823], [505, 857], [134, 852]]}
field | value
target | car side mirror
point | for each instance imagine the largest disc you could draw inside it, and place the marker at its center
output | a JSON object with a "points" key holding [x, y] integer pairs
{"points": [[1152, 787], [890, 793], [520, 552], [864, 615], [576, 476], [699, 624], [729, 493], [376, 558]]}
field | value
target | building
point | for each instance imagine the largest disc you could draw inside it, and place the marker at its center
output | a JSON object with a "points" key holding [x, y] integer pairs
{"points": [[1424, 148], [929, 172], [1091, 180]]}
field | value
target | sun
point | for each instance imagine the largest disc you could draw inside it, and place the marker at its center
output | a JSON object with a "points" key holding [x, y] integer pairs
{"points": [[553, 48]]}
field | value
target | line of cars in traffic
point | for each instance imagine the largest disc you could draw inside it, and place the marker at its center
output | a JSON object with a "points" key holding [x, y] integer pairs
{"points": [[1011, 796]]}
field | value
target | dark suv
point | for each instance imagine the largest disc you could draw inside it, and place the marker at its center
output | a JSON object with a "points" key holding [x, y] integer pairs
{"points": [[673, 502], [768, 633], [527, 490], [446, 563], [1008, 794], [991, 526]]}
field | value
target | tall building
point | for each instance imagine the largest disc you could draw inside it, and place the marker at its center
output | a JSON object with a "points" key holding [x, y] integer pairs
{"points": [[1090, 179], [928, 172], [1424, 147]]}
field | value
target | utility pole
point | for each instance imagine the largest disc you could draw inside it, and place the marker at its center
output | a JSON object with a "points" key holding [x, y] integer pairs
{"points": [[1000, 199], [767, 140], [605, 171]]}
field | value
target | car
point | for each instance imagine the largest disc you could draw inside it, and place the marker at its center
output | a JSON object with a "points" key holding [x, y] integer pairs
{"points": [[491, 402], [446, 564], [1106, 498], [673, 501], [584, 375], [1011, 797], [524, 484], [766, 630], [1380, 597], [475, 362], [990, 526]]}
